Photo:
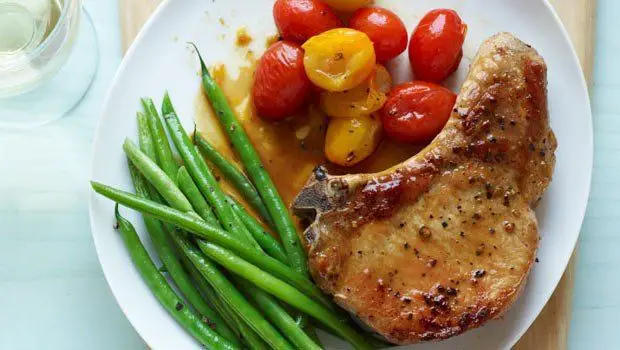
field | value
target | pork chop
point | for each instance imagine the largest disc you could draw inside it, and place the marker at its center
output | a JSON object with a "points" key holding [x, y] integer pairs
{"points": [[444, 241]]}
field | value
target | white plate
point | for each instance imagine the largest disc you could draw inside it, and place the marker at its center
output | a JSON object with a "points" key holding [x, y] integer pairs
{"points": [[159, 60]]}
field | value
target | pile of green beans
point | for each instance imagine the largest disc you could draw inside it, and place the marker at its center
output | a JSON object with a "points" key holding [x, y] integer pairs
{"points": [[233, 174], [238, 286], [164, 293], [256, 170]]}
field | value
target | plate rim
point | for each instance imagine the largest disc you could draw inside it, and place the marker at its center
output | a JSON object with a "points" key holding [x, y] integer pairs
{"points": [[159, 10], [590, 144]]}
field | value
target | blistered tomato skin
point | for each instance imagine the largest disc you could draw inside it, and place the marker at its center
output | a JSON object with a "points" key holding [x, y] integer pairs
{"points": [[351, 140], [435, 48], [386, 30], [347, 5], [339, 59], [416, 112], [298, 20], [280, 85]]}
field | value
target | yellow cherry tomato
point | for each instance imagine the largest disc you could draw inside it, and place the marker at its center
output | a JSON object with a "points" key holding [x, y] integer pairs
{"points": [[347, 5], [351, 140], [339, 59], [364, 99]]}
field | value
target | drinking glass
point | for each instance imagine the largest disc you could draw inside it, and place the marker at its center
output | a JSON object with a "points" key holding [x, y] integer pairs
{"points": [[48, 59]]}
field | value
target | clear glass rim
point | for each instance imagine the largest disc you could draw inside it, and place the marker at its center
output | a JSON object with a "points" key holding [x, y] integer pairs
{"points": [[44, 52], [63, 17]]}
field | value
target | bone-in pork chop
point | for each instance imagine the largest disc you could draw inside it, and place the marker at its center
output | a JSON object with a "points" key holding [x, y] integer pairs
{"points": [[445, 241]]}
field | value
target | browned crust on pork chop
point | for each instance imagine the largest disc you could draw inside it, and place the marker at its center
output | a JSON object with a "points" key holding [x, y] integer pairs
{"points": [[445, 241]]}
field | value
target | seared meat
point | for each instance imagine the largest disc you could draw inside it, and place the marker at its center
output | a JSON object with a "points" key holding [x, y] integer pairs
{"points": [[445, 241]]}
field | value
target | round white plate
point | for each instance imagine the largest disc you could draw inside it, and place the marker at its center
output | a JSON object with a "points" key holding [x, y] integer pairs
{"points": [[160, 60]]}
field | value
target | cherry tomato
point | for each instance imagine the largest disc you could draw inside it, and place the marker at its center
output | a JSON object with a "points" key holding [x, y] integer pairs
{"points": [[416, 111], [364, 99], [280, 85], [339, 59], [385, 29], [351, 140], [347, 5], [298, 20], [435, 48]]}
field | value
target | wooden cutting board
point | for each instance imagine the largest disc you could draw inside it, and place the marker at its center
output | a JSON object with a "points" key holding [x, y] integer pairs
{"points": [[550, 331]]}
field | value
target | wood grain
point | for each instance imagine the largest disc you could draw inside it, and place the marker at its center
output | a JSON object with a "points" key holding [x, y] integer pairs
{"points": [[133, 14], [550, 330], [578, 17]]}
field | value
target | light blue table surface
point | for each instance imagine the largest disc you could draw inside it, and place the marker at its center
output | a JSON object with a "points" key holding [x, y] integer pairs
{"points": [[52, 291]]}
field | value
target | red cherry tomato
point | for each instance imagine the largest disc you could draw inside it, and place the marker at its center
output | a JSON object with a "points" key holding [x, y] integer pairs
{"points": [[298, 20], [435, 48], [385, 29], [416, 111], [280, 85]]}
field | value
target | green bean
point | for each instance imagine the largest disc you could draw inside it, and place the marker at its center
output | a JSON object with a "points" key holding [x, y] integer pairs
{"points": [[294, 330], [274, 249], [209, 295], [229, 294], [176, 197], [260, 298], [270, 245], [276, 314], [248, 335], [164, 293], [195, 197], [165, 159], [157, 177], [147, 146], [161, 240], [284, 292], [236, 177], [256, 171], [163, 247], [245, 332], [213, 234], [253, 340], [276, 207], [144, 136], [202, 175], [242, 330], [188, 187]]}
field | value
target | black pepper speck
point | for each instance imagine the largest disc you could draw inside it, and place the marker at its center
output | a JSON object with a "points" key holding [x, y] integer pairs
{"points": [[479, 273]]}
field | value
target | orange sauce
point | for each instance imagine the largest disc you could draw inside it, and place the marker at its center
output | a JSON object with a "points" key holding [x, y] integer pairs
{"points": [[291, 149], [243, 37]]}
